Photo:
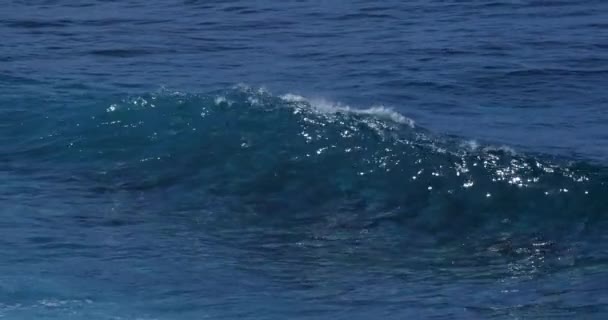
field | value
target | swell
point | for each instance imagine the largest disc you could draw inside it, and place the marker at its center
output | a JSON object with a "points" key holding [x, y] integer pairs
{"points": [[288, 156]]}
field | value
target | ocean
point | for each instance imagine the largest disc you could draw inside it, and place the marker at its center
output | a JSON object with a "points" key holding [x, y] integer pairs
{"points": [[308, 159]]}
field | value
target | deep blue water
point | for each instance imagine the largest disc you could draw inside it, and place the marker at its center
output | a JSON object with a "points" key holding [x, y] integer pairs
{"points": [[303, 159]]}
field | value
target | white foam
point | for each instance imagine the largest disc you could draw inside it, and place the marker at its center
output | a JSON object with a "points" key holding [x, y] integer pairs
{"points": [[219, 100], [330, 107], [290, 97], [470, 145], [385, 112]]}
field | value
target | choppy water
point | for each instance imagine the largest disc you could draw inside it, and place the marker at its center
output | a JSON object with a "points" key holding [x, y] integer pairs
{"points": [[303, 160]]}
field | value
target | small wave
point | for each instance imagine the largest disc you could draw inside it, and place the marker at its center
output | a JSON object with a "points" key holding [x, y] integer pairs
{"points": [[121, 53], [294, 154], [38, 24]]}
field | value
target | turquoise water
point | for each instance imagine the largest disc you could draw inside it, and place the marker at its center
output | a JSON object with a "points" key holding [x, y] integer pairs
{"points": [[303, 160]]}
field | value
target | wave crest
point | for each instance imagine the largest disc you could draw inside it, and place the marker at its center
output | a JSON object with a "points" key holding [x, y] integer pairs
{"points": [[292, 154]]}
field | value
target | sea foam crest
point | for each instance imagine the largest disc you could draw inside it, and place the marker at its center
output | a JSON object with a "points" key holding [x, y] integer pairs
{"points": [[325, 106]]}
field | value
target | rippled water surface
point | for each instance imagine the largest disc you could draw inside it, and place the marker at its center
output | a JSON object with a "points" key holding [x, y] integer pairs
{"points": [[304, 159]]}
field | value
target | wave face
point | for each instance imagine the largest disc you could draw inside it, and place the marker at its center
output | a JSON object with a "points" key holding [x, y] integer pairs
{"points": [[290, 154], [319, 184]]}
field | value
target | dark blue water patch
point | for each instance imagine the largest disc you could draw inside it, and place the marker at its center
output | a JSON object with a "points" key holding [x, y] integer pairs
{"points": [[35, 24], [121, 53]]}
